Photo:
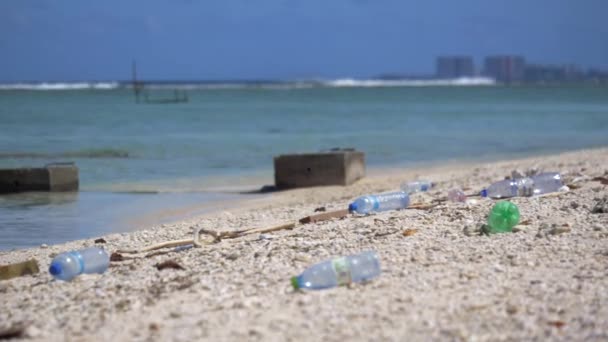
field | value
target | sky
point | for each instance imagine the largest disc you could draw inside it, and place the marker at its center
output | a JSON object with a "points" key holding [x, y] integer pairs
{"points": [[73, 40]]}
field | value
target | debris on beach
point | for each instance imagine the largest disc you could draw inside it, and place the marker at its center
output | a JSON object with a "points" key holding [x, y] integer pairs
{"points": [[213, 236], [547, 229], [100, 240], [602, 180], [381, 202], [410, 232], [601, 206], [417, 186], [66, 266], [266, 237], [539, 184], [339, 271], [13, 331], [19, 269], [457, 195], [475, 229], [328, 215], [557, 324], [503, 217], [116, 257], [172, 264]]}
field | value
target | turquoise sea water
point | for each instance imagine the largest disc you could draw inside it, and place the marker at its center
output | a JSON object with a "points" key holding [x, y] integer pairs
{"points": [[225, 138]]}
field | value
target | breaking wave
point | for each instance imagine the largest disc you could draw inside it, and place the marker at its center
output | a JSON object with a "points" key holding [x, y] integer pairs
{"points": [[215, 85], [60, 86], [464, 81]]}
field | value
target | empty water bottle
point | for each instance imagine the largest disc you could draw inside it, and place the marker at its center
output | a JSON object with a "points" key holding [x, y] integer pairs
{"points": [[339, 271], [68, 265], [457, 195], [529, 186], [380, 202], [417, 186], [546, 182]]}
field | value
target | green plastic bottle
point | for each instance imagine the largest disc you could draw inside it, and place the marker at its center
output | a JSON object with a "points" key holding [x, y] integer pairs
{"points": [[503, 217]]}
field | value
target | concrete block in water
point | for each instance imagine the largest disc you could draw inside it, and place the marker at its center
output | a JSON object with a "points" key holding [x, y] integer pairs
{"points": [[54, 177], [340, 167]]}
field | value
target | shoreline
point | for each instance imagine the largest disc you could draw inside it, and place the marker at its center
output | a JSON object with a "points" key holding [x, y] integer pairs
{"points": [[436, 284], [248, 199]]}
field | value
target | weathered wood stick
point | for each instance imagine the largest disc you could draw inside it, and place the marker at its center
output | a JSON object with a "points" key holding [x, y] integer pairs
{"points": [[324, 216]]}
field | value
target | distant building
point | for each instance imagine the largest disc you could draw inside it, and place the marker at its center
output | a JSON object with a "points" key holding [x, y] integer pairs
{"points": [[505, 69], [553, 74], [455, 67]]}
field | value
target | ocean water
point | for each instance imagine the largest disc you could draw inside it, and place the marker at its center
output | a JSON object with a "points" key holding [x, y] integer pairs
{"points": [[138, 159]]}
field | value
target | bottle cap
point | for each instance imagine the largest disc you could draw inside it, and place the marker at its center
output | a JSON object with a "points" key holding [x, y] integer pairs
{"points": [[55, 269], [352, 207], [295, 283], [484, 193]]}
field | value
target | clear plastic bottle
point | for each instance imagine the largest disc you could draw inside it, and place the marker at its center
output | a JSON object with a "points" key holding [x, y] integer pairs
{"points": [[542, 183], [417, 186], [546, 182], [457, 195], [339, 271], [380, 202], [68, 265]]}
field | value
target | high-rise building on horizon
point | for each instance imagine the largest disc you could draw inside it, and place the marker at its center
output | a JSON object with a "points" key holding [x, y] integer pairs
{"points": [[505, 68], [454, 66]]}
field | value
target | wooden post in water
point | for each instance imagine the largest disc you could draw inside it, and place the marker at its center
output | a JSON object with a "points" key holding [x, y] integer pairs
{"points": [[136, 85]]}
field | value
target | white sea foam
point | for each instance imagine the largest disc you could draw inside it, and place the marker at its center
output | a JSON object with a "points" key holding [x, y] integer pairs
{"points": [[304, 84], [337, 83], [59, 86], [464, 81]]}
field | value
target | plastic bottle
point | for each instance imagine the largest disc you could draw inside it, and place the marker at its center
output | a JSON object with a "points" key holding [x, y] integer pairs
{"points": [[417, 186], [547, 182], [380, 202], [457, 195], [503, 217], [339, 271], [68, 265], [536, 185]]}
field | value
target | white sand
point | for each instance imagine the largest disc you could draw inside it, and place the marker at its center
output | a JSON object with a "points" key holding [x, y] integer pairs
{"points": [[439, 283]]}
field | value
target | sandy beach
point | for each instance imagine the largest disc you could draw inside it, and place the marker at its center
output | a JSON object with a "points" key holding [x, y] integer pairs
{"points": [[546, 281]]}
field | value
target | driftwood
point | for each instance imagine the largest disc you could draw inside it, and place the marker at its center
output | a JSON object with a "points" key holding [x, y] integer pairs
{"points": [[216, 236], [324, 216]]}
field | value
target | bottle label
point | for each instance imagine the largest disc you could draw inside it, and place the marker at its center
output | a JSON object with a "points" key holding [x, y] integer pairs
{"points": [[77, 257], [342, 271], [375, 202]]}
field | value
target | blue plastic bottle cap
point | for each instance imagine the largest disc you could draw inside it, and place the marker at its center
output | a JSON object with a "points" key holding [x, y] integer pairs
{"points": [[484, 193], [55, 269], [352, 207]]}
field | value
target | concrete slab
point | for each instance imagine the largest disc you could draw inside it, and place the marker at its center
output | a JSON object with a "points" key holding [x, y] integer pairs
{"points": [[341, 167], [54, 177]]}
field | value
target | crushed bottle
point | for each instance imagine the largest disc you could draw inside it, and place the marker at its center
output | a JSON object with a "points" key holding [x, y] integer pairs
{"points": [[417, 186], [339, 271], [457, 195], [539, 184]]}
